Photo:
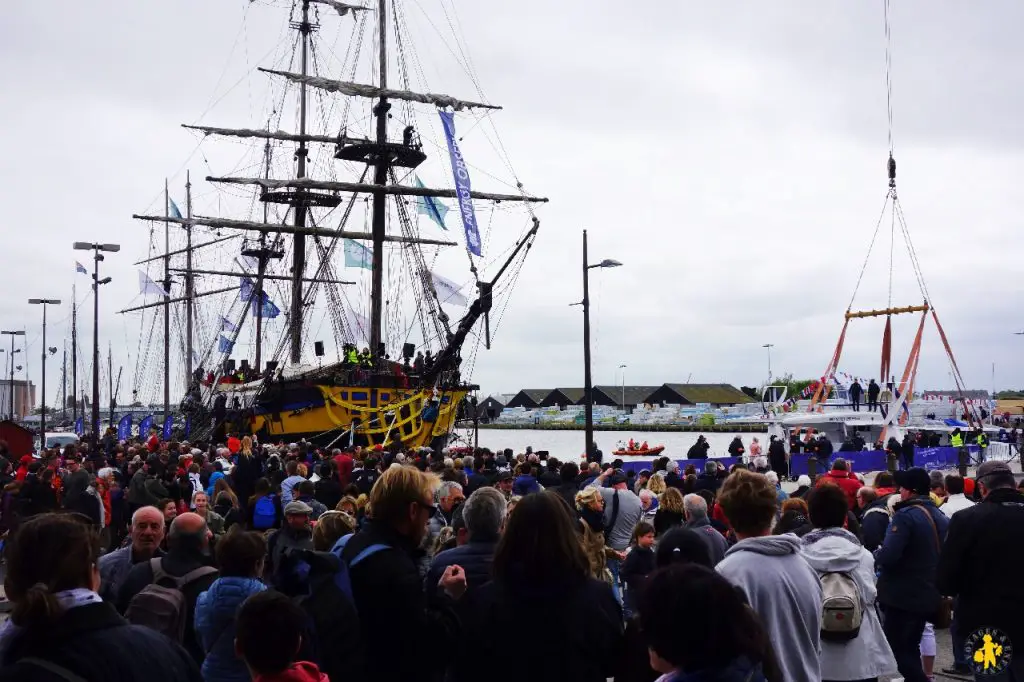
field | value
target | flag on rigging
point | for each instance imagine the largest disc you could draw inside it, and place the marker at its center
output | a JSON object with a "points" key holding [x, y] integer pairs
{"points": [[447, 290], [357, 255], [226, 325], [173, 209], [148, 286], [80, 268], [80, 426], [462, 184], [224, 344], [168, 424], [358, 327], [247, 292], [268, 310], [430, 206]]}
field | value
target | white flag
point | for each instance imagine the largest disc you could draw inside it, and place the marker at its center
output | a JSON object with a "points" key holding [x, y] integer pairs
{"points": [[359, 326], [148, 286], [447, 290]]}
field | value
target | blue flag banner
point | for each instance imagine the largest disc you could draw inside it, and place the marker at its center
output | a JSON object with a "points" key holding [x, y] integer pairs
{"points": [[430, 206], [124, 428], [80, 426], [80, 268], [173, 208], [357, 255], [145, 425], [226, 325], [462, 184], [268, 310], [245, 289], [224, 344], [168, 424]]}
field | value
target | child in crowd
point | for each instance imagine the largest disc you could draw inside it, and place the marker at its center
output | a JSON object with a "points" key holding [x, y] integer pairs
{"points": [[268, 634], [638, 565]]}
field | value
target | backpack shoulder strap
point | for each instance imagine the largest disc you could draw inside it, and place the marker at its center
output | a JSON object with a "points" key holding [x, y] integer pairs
{"points": [[367, 553], [340, 544], [194, 575], [615, 510], [157, 565], [58, 670]]}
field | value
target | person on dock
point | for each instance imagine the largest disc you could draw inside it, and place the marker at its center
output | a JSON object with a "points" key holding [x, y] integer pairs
{"points": [[699, 450]]}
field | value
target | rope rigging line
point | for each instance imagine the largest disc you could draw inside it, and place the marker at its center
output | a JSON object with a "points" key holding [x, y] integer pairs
{"points": [[888, 72], [871, 246]]}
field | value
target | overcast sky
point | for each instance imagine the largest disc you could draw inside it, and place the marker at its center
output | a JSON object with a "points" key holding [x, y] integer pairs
{"points": [[731, 155]]}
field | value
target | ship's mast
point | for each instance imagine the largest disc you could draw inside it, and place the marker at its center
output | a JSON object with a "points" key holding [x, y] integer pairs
{"points": [[189, 282], [380, 178], [167, 302], [261, 266], [299, 240], [74, 352]]}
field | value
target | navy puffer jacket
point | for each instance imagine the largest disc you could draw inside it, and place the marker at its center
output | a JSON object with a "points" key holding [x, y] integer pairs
{"points": [[215, 625]]}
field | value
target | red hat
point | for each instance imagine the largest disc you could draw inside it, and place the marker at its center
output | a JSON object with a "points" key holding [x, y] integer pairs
{"points": [[969, 486]]}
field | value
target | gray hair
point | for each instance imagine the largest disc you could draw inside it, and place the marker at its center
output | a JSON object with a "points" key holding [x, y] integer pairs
{"points": [[646, 494], [150, 508], [468, 462], [484, 512], [445, 489], [695, 506], [711, 467], [772, 477], [761, 462]]}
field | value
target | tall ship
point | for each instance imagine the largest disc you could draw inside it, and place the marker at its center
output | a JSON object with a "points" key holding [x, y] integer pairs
{"points": [[347, 274]]}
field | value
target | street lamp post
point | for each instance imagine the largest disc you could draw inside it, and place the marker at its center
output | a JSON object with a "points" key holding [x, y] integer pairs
{"points": [[12, 334], [42, 413], [588, 408], [769, 346], [96, 282], [622, 405]]}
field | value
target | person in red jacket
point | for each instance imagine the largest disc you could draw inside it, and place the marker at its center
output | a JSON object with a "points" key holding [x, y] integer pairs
{"points": [[844, 478]]}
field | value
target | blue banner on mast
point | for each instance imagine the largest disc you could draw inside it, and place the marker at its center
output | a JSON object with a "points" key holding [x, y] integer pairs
{"points": [[168, 424], [462, 184], [145, 425]]}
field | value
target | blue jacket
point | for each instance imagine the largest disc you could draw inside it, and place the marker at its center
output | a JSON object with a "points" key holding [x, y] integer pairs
{"points": [[740, 670], [215, 625], [874, 522], [475, 559], [909, 557], [214, 477], [525, 485]]}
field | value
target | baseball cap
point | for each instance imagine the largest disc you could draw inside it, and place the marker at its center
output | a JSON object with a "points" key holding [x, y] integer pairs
{"points": [[916, 480], [992, 468], [297, 507]]}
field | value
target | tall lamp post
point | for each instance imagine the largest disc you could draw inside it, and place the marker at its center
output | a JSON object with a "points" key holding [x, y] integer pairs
{"points": [[622, 405], [12, 334], [97, 250], [587, 387], [769, 346], [42, 413]]}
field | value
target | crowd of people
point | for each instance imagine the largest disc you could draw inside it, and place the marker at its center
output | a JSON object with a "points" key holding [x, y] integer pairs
{"points": [[287, 562]]}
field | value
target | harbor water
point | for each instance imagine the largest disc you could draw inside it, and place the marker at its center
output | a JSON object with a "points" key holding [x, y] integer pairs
{"points": [[568, 444]]}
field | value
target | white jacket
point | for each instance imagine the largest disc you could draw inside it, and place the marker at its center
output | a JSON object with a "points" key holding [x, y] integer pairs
{"points": [[954, 504], [868, 655]]}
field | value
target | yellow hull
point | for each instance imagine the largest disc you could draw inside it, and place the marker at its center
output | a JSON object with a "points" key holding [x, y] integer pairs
{"points": [[377, 416]]}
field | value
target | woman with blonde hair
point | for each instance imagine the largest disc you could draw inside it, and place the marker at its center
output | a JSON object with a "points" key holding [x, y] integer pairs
{"points": [[590, 506], [331, 527], [656, 484], [670, 512], [201, 506], [248, 469]]}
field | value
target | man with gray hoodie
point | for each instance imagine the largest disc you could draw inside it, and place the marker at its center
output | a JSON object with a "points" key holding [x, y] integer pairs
{"points": [[779, 583]]}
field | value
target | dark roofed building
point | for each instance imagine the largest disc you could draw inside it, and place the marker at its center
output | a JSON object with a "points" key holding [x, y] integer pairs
{"points": [[488, 409], [563, 397], [630, 396], [692, 394], [529, 398]]}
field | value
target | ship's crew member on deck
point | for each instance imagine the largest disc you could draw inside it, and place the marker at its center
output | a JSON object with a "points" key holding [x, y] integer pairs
{"points": [[365, 359], [873, 391], [956, 439], [417, 364], [884, 400], [428, 361], [856, 391]]}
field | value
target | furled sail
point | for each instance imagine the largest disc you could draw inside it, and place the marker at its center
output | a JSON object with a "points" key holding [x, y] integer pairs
{"points": [[341, 7], [362, 90], [273, 135], [402, 190]]}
